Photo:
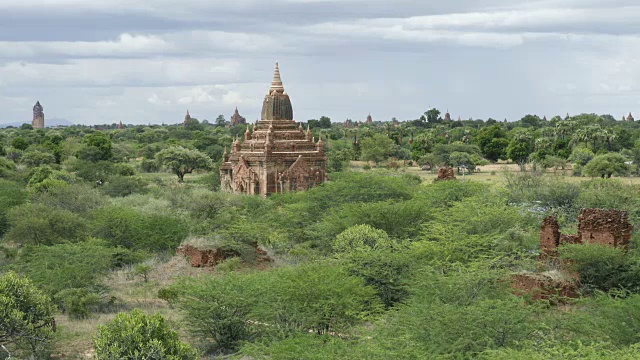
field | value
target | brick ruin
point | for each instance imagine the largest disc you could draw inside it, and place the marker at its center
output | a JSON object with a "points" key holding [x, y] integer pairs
{"points": [[595, 226], [446, 173], [604, 227], [212, 257]]}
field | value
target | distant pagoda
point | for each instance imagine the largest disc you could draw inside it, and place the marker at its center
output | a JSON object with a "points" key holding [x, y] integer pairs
{"points": [[236, 119], [630, 118], [369, 119], [38, 116], [186, 119], [278, 156]]}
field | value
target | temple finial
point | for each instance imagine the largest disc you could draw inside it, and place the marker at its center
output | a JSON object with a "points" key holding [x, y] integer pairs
{"points": [[276, 84]]}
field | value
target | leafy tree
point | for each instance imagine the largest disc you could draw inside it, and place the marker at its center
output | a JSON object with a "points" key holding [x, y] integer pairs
{"points": [[432, 116], [36, 224], [193, 125], [581, 156], [97, 147], [37, 158], [220, 121], [377, 148], [606, 165], [26, 316], [20, 143], [11, 195], [519, 150], [493, 142], [182, 161], [134, 335], [324, 122]]}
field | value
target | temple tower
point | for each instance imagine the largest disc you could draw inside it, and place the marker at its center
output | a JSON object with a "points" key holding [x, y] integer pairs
{"points": [[236, 119], [38, 116], [277, 156]]}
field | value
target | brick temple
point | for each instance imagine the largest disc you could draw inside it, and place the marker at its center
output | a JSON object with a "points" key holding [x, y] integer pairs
{"points": [[277, 155]]}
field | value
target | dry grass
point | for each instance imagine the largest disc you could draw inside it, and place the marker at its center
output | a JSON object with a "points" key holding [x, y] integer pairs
{"points": [[74, 337]]}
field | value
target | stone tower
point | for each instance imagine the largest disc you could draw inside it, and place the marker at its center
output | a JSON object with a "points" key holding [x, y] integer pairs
{"points": [[38, 116], [186, 119], [369, 119], [236, 119], [277, 155]]}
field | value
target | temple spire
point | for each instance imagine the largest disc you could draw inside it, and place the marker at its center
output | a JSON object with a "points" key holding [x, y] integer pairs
{"points": [[276, 84]]}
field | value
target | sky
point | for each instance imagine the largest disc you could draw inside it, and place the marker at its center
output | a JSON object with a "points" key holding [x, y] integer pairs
{"points": [[143, 61]]}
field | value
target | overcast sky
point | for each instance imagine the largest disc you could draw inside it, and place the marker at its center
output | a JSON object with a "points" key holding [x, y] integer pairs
{"points": [[141, 61]]}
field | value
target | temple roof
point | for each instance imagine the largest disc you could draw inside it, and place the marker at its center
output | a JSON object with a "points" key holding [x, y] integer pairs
{"points": [[277, 105]]}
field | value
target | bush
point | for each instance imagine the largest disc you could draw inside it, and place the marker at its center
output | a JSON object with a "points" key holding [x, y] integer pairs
{"points": [[362, 238], [603, 268], [26, 316], [135, 335], [133, 229], [124, 169], [37, 158], [11, 195], [121, 186], [606, 165], [38, 224], [77, 303], [67, 266]]}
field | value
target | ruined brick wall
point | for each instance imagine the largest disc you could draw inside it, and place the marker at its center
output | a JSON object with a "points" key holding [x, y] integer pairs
{"points": [[543, 287], [605, 227], [212, 257], [446, 173], [549, 236]]}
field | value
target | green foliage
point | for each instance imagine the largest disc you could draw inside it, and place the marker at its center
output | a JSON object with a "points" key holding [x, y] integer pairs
{"points": [[606, 165], [362, 238], [133, 229], [67, 266], [143, 270], [97, 147], [26, 316], [37, 158], [19, 143], [134, 335], [183, 161], [581, 156], [377, 148], [11, 195], [121, 186], [314, 297], [77, 303], [603, 268], [38, 224]]}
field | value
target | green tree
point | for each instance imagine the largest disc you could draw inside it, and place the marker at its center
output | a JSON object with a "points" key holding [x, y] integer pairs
{"points": [[20, 143], [37, 158], [493, 142], [134, 335], [97, 147], [377, 148], [606, 165], [324, 122], [519, 150], [220, 121], [26, 317], [182, 161]]}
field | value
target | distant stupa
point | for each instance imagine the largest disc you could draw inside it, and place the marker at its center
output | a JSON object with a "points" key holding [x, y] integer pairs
{"points": [[38, 116]]}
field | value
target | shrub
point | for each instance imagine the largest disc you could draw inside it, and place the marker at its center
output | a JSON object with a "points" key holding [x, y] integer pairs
{"points": [[67, 266], [77, 303], [362, 238], [11, 194], [133, 229], [606, 165], [37, 158], [121, 186], [26, 316], [38, 224], [135, 335]]}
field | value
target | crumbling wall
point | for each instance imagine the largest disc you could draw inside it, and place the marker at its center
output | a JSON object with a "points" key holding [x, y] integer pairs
{"points": [[596, 226], [544, 286], [446, 173], [605, 227], [549, 236], [212, 257]]}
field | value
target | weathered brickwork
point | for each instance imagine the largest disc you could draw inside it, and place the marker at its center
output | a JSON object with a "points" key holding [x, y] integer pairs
{"points": [[446, 173], [277, 155], [38, 116]]}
